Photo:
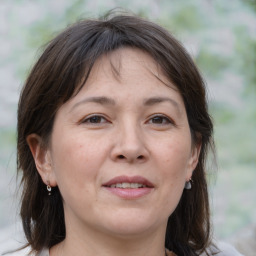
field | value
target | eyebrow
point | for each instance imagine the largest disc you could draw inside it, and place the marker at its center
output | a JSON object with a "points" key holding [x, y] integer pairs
{"points": [[102, 100], [157, 100]]}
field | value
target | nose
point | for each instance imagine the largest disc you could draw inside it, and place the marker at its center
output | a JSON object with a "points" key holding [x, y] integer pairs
{"points": [[129, 145]]}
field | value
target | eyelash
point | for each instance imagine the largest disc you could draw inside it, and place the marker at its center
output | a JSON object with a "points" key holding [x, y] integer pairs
{"points": [[98, 120], [168, 121], [97, 117]]}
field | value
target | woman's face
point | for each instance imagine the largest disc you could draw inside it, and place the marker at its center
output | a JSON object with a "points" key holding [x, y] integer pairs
{"points": [[121, 149]]}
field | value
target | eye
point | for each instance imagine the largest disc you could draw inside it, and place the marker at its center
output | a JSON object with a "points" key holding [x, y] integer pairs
{"points": [[160, 120], [94, 119]]}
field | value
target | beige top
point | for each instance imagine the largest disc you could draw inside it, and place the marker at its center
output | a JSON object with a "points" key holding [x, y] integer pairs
{"points": [[44, 252]]}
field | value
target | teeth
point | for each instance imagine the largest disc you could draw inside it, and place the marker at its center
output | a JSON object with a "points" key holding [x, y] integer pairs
{"points": [[128, 185]]}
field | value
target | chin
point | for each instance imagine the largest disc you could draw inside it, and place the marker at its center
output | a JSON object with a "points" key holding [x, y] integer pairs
{"points": [[130, 231], [132, 224]]}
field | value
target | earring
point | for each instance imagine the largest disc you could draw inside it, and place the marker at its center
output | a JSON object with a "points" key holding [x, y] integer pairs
{"points": [[188, 184], [49, 188]]}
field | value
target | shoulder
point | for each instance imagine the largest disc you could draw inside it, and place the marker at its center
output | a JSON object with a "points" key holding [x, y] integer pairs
{"points": [[223, 249], [44, 252], [26, 252], [227, 250], [16, 252]]}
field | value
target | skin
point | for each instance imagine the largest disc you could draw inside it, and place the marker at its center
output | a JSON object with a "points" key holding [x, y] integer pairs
{"points": [[93, 142]]}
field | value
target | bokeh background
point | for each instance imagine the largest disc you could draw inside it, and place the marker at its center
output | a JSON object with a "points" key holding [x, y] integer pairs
{"points": [[221, 37]]}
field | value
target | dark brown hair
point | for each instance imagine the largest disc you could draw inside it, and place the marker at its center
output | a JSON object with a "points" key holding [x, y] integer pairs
{"points": [[59, 74]]}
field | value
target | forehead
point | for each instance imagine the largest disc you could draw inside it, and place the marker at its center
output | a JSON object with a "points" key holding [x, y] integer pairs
{"points": [[126, 80], [128, 64]]}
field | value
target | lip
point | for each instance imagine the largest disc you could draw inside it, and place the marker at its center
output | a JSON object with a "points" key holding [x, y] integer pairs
{"points": [[129, 179], [129, 193]]}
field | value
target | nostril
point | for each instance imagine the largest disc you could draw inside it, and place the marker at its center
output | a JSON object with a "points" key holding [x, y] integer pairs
{"points": [[121, 157]]}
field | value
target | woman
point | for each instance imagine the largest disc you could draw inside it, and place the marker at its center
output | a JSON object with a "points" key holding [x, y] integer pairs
{"points": [[113, 133]]}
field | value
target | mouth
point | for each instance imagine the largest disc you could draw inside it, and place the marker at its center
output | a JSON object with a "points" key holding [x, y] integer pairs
{"points": [[129, 182], [129, 187]]}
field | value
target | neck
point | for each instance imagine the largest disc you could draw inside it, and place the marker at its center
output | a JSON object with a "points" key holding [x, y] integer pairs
{"points": [[98, 243]]}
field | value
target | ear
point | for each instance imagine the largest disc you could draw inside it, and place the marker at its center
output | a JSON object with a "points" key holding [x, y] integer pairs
{"points": [[42, 158], [193, 160]]}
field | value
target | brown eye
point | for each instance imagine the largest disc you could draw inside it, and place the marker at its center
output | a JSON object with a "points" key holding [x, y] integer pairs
{"points": [[95, 120], [159, 120]]}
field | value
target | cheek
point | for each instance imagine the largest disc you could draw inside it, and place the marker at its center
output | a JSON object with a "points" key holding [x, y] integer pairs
{"points": [[174, 155], [172, 160], [75, 161]]}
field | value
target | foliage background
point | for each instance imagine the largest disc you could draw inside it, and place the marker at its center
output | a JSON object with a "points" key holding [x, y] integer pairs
{"points": [[220, 35]]}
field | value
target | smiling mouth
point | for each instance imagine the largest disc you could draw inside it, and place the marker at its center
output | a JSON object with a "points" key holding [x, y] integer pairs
{"points": [[126, 182], [129, 188], [126, 185]]}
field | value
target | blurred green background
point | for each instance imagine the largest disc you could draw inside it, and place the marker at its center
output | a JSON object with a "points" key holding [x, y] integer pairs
{"points": [[221, 37]]}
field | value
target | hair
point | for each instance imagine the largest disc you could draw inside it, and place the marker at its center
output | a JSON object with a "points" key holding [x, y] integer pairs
{"points": [[60, 72]]}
